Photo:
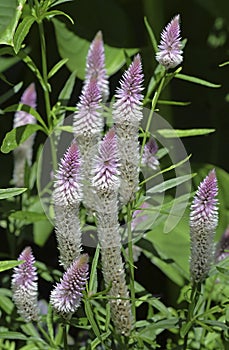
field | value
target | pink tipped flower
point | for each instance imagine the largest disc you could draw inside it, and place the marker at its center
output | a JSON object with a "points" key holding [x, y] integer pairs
{"points": [[24, 286], [149, 155], [222, 250], [29, 98], [67, 294], [203, 223], [23, 153], [169, 50], [127, 108], [67, 188], [88, 120], [106, 164], [95, 66]]}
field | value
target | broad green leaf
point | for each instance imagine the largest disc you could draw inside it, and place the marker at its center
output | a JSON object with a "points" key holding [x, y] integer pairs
{"points": [[9, 264], [10, 92], [151, 35], [28, 216], [57, 66], [168, 184], [17, 136], [75, 49], [22, 31], [196, 80], [41, 232], [11, 192], [174, 133], [10, 13]]}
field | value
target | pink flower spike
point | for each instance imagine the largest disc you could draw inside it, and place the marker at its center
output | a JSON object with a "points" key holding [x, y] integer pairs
{"points": [[203, 223], [88, 120], [67, 294], [67, 188], [29, 98], [222, 247], [149, 155], [129, 96], [24, 286], [169, 50], [106, 164], [95, 65]]}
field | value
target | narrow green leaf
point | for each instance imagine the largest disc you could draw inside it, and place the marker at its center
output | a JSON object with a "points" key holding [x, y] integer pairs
{"points": [[224, 64], [59, 2], [66, 92], [91, 319], [75, 49], [7, 62], [93, 274], [168, 184], [151, 35], [32, 66], [54, 13], [12, 335], [17, 136], [10, 13], [27, 216], [57, 66], [49, 321], [196, 80], [174, 133], [22, 31], [9, 264], [185, 328], [173, 103], [10, 92], [11, 192]]}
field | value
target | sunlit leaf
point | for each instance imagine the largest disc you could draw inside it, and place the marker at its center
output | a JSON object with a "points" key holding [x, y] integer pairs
{"points": [[11, 192], [196, 80], [9, 264], [22, 31]]}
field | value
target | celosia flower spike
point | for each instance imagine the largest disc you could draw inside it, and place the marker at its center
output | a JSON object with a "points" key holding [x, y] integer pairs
{"points": [[169, 50], [88, 120], [106, 164], [67, 294], [67, 189], [95, 65], [23, 153], [24, 286], [203, 223], [127, 108], [222, 247], [149, 155]]}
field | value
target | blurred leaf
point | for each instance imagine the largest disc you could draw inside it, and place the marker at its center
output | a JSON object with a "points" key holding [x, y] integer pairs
{"points": [[91, 319], [93, 275], [10, 92], [168, 184], [27, 216], [22, 31], [57, 66], [173, 103], [224, 64], [7, 62], [10, 13], [11, 192], [171, 133], [75, 49], [196, 80], [17, 136], [41, 232], [6, 304], [7, 265], [12, 335]]}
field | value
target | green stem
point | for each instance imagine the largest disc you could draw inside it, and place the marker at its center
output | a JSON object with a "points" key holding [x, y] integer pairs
{"points": [[131, 260], [191, 309], [45, 73], [153, 106], [65, 336]]}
